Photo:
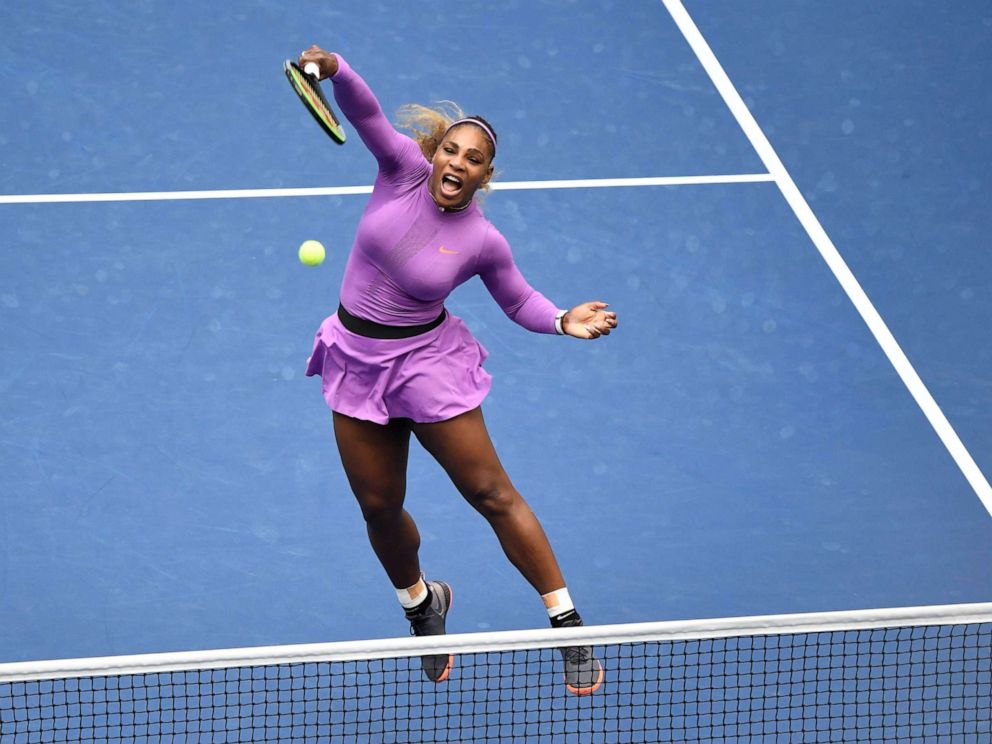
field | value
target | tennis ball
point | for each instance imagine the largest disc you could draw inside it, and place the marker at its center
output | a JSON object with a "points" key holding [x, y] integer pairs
{"points": [[311, 253]]}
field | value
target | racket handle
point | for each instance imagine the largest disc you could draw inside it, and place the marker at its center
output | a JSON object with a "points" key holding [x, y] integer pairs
{"points": [[311, 68]]}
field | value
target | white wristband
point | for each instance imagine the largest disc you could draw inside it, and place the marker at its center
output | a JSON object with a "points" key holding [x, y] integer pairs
{"points": [[559, 328]]}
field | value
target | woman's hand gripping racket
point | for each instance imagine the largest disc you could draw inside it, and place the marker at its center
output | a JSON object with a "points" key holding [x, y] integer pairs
{"points": [[306, 83]]}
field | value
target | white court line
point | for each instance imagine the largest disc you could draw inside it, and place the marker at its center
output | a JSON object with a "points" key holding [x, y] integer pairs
{"points": [[582, 183], [830, 254]]}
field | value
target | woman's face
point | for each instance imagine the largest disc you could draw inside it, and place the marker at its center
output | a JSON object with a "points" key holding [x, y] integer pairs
{"points": [[462, 164]]}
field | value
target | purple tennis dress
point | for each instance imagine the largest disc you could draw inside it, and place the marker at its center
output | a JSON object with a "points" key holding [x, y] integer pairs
{"points": [[407, 257]]}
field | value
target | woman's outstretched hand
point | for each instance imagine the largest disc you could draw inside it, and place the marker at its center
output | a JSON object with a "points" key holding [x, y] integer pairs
{"points": [[589, 320], [326, 61]]}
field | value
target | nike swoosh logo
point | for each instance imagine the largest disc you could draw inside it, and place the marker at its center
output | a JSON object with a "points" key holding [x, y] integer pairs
{"points": [[442, 249]]}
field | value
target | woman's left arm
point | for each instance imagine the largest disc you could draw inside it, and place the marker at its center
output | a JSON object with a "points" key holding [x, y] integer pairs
{"points": [[529, 308]]}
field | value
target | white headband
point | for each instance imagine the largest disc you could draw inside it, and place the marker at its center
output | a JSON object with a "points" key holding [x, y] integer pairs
{"points": [[487, 130]]}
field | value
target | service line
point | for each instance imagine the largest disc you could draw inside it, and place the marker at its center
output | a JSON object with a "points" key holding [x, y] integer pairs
{"points": [[582, 183]]}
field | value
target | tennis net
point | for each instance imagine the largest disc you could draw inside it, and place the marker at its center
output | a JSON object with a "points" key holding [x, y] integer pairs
{"points": [[920, 674]]}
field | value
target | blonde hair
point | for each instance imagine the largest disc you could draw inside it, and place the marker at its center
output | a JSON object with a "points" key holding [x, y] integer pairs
{"points": [[428, 125]]}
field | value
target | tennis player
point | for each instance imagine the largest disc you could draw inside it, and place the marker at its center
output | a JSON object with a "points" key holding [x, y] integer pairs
{"points": [[393, 360]]}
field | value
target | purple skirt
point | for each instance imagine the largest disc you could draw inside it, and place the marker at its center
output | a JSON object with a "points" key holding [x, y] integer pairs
{"points": [[431, 377]]}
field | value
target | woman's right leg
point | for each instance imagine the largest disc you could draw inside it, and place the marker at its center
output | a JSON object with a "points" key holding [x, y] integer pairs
{"points": [[374, 457]]}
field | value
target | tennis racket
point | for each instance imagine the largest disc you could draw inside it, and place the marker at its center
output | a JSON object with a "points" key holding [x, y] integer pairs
{"points": [[306, 83]]}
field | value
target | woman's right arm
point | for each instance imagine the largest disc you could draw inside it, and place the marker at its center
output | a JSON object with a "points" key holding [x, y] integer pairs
{"points": [[391, 149]]}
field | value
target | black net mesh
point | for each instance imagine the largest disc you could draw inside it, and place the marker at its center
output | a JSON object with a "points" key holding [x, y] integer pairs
{"points": [[912, 684]]}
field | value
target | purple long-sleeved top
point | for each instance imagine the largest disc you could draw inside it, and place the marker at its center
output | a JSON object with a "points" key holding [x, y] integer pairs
{"points": [[408, 254]]}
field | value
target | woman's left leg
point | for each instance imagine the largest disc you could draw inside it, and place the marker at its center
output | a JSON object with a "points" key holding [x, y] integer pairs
{"points": [[463, 448]]}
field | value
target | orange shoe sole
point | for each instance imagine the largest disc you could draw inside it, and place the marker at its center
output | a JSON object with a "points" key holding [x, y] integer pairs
{"points": [[587, 690]]}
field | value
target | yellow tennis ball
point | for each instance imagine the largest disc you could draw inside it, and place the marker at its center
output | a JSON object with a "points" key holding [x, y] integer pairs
{"points": [[311, 253]]}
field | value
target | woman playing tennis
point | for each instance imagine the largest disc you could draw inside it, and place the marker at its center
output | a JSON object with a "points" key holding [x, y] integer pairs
{"points": [[393, 361]]}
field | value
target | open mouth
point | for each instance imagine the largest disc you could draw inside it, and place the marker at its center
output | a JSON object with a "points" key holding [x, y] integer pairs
{"points": [[450, 185]]}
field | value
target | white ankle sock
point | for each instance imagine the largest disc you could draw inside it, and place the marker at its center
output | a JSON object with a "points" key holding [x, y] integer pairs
{"points": [[557, 602], [414, 595]]}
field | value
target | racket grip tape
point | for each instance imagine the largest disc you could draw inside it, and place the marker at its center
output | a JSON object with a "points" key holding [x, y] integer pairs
{"points": [[311, 68]]}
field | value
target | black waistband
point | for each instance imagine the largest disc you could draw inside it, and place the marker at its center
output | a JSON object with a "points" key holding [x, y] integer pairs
{"points": [[370, 329]]}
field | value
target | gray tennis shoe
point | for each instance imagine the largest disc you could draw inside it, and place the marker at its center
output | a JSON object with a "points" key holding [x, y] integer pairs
{"points": [[583, 672], [429, 622]]}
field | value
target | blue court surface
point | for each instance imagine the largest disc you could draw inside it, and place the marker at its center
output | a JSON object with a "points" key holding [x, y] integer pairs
{"points": [[742, 445]]}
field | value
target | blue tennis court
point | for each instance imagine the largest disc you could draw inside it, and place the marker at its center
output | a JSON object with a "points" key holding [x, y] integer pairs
{"points": [[744, 444]]}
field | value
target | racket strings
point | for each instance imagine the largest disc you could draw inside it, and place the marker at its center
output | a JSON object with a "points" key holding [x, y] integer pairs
{"points": [[308, 90], [313, 95]]}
